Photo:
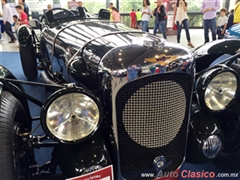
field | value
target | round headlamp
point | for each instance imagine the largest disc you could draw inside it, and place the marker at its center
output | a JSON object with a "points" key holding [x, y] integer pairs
{"points": [[71, 115], [217, 88], [212, 146]]}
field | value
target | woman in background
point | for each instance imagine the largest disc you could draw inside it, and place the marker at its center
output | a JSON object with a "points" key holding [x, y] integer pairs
{"points": [[180, 15], [146, 15], [115, 15]]}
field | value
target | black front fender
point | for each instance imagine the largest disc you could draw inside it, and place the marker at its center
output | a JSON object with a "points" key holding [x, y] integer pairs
{"points": [[206, 54], [5, 73], [202, 125], [84, 157]]}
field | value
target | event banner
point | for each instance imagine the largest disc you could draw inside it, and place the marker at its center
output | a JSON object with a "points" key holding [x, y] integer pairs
{"points": [[72, 4]]}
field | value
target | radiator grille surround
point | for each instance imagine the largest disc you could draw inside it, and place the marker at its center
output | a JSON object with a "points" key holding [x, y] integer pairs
{"points": [[152, 120]]}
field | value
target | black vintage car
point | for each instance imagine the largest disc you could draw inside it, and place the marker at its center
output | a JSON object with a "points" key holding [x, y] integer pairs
{"points": [[120, 98]]}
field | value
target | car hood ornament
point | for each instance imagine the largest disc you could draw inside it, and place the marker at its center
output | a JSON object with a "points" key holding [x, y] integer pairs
{"points": [[160, 163]]}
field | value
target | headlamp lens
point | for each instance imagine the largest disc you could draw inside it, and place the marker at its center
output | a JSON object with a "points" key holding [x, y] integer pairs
{"points": [[212, 146], [220, 91], [72, 117]]}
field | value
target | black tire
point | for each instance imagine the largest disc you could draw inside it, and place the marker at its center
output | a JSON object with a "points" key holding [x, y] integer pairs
{"points": [[11, 111], [29, 61]]}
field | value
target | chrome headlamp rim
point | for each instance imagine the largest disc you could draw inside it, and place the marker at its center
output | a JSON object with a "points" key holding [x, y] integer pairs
{"points": [[209, 142], [205, 79], [60, 93]]}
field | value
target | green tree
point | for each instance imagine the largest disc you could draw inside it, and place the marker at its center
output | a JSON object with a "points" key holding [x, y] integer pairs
{"points": [[194, 6], [94, 6]]}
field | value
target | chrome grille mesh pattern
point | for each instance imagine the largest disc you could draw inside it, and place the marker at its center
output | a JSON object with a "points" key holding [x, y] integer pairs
{"points": [[155, 112], [152, 120]]}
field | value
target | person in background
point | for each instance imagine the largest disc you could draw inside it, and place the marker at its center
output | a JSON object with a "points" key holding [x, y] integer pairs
{"points": [[209, 9], [7, 20], [1, 29], [146, 15], [15, 25], [139, 18], [159, 23], [236, 18], [80, 4], [230, 19], [49, 7], [25, 7], [222, 23], [115, 15], [110, 9], [180, 15], [23, 19], [133, 18]]}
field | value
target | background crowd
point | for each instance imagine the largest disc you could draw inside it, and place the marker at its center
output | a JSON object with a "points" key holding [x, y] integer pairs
{"points": [[141, 17], [10, 20], [216, 24]]}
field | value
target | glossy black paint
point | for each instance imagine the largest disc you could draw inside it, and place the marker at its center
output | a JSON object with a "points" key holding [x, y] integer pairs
{"points": [[101, 67], [229, 120], [75, 159], [202, 125], [208, 53], [107, 51]]}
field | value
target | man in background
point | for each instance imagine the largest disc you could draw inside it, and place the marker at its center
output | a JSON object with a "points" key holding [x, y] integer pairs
{"points": [[209, 10], [24, 7], [80, 4], [230, 19], [139, 18], [23, 19], [0, 28], [8, 20]]}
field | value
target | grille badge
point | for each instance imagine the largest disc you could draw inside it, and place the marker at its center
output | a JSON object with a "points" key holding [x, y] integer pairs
{"points": [[160, 163]]}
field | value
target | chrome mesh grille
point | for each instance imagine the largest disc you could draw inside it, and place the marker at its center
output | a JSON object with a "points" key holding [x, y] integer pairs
{"points": [[155, 112], [152, 119]]}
